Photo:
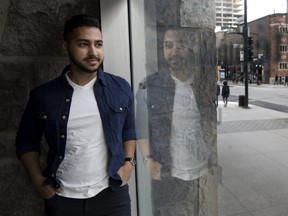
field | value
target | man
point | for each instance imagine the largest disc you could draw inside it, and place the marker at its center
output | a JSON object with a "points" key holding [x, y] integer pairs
{"points": [[225, 92], [217, 94], [87, 118], [169, 126]]}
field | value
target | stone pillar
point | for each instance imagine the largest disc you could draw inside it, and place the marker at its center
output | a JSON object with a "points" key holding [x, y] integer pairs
{"points": [[196, 16]]}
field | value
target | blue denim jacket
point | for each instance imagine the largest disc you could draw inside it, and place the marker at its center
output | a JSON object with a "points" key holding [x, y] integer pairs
{"points": [[47, 112]]}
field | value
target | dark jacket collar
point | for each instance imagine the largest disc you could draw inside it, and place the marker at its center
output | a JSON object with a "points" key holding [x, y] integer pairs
{"points": [[100, 75]]}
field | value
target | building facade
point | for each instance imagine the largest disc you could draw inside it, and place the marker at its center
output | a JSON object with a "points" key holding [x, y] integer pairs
{"points": [[270, 50], [228, 12], [270, 36]]}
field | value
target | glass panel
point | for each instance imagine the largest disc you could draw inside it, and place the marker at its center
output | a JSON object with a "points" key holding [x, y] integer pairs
{"points": [[174, 79]]}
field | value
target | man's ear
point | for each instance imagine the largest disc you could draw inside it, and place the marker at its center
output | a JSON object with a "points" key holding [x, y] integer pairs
{"points": [[65, 46]]}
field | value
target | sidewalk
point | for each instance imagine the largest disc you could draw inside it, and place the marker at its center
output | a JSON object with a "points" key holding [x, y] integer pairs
{"points": [[255, 85], [253, 161]]}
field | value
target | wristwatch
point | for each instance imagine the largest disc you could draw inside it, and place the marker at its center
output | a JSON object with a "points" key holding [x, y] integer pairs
{"points": [[146, 158], [132, 160]]}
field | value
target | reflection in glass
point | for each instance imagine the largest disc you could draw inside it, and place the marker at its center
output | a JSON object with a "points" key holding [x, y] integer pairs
{"points": [[173, 146]]}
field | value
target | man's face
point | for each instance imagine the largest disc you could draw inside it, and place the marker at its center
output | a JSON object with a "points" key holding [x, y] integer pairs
{"points": [[176, 50], [85, 49]]}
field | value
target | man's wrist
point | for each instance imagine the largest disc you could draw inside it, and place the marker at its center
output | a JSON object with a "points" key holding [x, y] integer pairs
{"points": [[131, 160], [146, 158]]}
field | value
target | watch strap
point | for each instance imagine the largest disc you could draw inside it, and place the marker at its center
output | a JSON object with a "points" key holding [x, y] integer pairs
{"points": [[131, 160]]}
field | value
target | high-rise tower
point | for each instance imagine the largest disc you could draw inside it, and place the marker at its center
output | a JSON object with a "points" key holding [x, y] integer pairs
{"points": [[228, 12]]}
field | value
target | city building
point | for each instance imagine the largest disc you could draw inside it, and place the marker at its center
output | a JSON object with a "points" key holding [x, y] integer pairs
{"points": [[270, 35], [269, 50], [228, 12]]}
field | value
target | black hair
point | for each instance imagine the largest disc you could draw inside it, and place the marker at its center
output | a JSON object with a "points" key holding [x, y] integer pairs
{"points": [[79, 21]]}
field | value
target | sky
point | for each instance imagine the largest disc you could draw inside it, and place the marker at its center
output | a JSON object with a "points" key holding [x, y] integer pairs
{"points": [[260, 8]]}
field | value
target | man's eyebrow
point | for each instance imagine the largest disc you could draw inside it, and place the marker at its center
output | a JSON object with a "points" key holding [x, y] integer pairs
{"points": [[86, 40]]}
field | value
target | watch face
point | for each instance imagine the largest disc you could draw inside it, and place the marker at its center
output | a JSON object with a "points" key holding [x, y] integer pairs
{"points": [[131, 160]]}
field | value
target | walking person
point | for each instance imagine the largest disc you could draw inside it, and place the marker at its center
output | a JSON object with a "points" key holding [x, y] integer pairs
{"points": [[87, 118], [225, 92], [276, 80], [217, 95]]}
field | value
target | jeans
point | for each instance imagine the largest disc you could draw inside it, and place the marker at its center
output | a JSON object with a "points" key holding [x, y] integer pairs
{"points": [[107, 203]]}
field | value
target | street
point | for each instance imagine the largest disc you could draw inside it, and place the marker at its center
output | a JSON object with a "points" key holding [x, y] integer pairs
{"points": [[267, 96]]}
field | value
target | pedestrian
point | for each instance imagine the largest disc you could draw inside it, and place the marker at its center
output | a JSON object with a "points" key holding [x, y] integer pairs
{"points": [[87, 118], [173, 146], [286, 80], [276, 80], [217, 94], [225, 92]]}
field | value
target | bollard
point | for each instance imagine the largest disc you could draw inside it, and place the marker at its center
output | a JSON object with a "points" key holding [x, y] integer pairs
{"points": [[241, 100]]}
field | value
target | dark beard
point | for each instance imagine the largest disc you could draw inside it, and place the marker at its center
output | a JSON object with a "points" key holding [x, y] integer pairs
{"points": [[80, 66]]}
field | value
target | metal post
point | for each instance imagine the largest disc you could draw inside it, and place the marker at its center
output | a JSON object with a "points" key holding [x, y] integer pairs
{"points": [[245, 36]]}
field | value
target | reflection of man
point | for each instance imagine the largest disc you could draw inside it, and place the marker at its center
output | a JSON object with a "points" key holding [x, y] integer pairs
{"points": [[167, 114]]}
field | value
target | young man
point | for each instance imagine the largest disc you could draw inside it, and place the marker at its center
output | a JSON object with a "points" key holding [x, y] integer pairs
{"points": [[170, 130], [87, 118], [225, 92]]}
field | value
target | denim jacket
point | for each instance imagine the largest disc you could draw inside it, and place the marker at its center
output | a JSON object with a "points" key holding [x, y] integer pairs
{"points": [[47, 113], [155, 101]]}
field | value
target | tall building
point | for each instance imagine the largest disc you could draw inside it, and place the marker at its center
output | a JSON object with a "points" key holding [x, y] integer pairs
{"points": [[228, 12]]}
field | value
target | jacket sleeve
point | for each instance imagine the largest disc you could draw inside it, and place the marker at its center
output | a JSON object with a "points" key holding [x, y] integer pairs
{"points": [[142, 129], [129, 132], [29, 134]]}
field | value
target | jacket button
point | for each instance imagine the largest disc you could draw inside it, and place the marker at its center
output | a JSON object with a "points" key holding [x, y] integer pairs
{"points": [[67, 99], [45, 116], [121, 108], [62, 136], [52, 175], [63, 117]]}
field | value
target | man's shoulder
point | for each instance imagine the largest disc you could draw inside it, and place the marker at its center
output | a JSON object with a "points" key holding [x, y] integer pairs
{"points": [[116, 80], [156, 77], [49, 86]]}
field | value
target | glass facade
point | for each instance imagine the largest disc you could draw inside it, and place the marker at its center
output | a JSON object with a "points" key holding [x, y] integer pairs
{"points": [[174, 80]]}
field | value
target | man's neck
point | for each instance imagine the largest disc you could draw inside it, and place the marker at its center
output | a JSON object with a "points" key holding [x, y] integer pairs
{"points": [[81, 79], [181, 75]]}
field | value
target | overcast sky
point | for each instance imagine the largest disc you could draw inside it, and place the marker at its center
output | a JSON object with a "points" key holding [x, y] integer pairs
{"points": [[260, 8]]}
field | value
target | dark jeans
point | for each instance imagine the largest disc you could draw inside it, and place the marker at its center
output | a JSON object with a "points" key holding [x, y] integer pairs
{"points": [[107, 203]]}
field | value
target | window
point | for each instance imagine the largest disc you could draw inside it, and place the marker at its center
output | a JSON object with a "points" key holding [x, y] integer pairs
{"points": [[283, 29], [283, 48], [283, 65]]}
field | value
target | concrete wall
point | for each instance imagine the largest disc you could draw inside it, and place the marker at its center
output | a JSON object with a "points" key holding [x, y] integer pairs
{"points": [[30, 54]]}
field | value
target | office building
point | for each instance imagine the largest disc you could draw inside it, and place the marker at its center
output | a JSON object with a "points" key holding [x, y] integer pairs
{"points": [[228, 12]]}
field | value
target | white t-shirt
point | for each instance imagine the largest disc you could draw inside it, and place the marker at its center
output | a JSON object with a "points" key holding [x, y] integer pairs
{"points": [[84, 172], [187, 145]]}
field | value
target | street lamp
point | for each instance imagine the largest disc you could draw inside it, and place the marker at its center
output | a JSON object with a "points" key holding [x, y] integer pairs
{"points": [[245, 36]]}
